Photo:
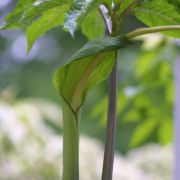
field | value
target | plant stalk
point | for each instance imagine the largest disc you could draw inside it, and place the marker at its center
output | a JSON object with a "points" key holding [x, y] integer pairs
{"points": [[107, 172], [143, 31], [70, 144], [111, 127]]}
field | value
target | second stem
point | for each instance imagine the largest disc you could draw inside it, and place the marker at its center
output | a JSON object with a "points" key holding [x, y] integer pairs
{"points": [[111, 127], [107, 173]]}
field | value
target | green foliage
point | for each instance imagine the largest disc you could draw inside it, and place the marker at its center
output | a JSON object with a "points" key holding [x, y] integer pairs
{"points": [[165, 133], [51, 18], [37, 17], [93, 25], [143, 131], [94, 62], [158, 13], [27, 11], [77, 12], [21, 16], [176, 4], [145, 98], [124, 5]]}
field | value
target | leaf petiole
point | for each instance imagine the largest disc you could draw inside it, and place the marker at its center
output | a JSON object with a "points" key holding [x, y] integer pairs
{"points": [[143, 31]]}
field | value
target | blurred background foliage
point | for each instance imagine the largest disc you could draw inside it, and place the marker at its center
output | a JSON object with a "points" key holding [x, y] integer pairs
{"points": [[145, 98], [145, 82]]}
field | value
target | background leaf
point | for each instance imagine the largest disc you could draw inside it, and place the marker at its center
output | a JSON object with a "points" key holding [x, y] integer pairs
{"points": [[176, 4], [158, 13], [166, 132], [142, 132]]}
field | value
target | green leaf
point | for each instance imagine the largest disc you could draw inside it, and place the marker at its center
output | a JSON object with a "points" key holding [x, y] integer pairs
{"points": [[176, 4], [115, 1], [142, 132], [51, 18], [158, 13], [88, 67], [26, 11], [77, 12], [101, 45], [125, 4], [21, 15], [165, 133], [93, 25]]}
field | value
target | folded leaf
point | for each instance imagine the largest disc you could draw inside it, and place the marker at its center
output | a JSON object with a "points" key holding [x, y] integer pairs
{"points": [[88, 67], [101, 45]]}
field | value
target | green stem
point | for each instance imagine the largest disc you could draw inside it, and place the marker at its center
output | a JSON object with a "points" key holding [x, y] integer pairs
{"points": [[143, 31], [70, 144]]}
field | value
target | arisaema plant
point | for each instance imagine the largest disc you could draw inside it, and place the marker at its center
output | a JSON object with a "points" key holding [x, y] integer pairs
{"points": [[96, 60]]}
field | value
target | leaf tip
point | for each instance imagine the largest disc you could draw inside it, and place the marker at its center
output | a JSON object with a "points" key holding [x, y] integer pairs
{"points": [[28, 51], [30, 42], [69, 28], [29, 47]]}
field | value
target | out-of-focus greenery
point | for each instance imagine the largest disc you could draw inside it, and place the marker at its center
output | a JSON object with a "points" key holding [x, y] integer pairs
{"points": [[145, 103], [31, 150], [145, 82], [146, 94]]}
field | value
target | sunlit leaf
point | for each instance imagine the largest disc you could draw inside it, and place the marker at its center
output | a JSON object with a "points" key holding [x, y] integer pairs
{"points": [[93, 25], [51, 18]]}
